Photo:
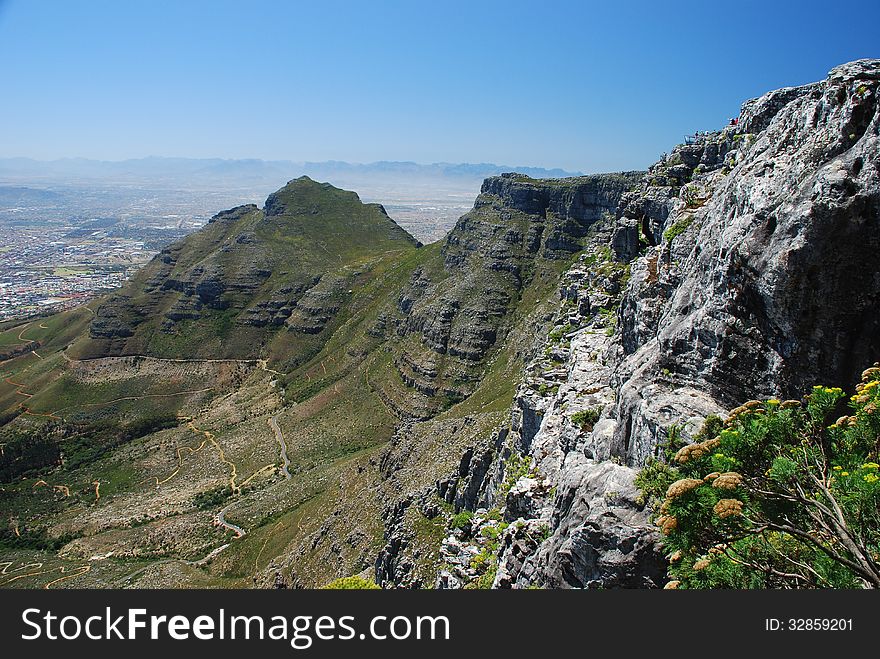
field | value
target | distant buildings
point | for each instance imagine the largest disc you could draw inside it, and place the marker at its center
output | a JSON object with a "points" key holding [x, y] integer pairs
{"points": [[57, 268]]}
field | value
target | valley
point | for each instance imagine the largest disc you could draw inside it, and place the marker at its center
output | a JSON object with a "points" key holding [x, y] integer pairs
{"points": [[303, 391]]}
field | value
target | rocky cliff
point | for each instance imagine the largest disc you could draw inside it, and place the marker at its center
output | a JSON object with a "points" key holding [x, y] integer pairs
{"points": [[470, 413], [743, 265], [515, 241]]}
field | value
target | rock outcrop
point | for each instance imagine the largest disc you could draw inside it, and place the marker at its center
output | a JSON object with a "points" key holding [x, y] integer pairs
{"points": [[474, 413], [252, 278], [767, 287], [742, 265], [452, 313]]}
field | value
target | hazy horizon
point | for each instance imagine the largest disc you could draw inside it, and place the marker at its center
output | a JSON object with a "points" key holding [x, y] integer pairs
{"points": [[580, 86], [295, 161]]}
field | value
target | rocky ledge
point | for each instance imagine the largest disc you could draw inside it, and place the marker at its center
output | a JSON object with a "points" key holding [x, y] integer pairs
{"points": [[743, 264]]}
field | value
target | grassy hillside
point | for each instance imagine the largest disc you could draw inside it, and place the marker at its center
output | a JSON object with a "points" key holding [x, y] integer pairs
{"points": [[254, 283], [224, 418]]}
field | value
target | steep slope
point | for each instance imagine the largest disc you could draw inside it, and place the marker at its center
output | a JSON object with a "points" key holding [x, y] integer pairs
{"points": [[253, 283], [498, 260], [301, 392], [750, 259], [771, 286], [308, 334]]}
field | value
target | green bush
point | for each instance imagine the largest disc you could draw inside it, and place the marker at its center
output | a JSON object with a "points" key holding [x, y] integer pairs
{"points": [[515, 468], [779, 495], [352, 583], [461, 520], [586, 419], [212, 498], [693, 196]]}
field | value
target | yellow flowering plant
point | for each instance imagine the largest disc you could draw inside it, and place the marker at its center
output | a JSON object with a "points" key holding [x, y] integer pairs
{"points": [[779, 495]]}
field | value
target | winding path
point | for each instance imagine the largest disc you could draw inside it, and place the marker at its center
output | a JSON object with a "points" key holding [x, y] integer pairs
{"points": [[208, 438], [221, 520], [166, 561], [61, 569], [21, 392], [273, 423], [262, 364]]}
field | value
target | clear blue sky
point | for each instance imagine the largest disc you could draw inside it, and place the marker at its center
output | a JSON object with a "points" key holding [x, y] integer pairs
{"points": [[580, 85]]}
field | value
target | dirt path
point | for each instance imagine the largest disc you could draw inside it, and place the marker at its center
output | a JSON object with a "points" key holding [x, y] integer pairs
{"points": [[233, 475], [21, 338], [273, 423], [261, 470], [179, 463], [166, 561], [57, 488], [21, 392], [209, 436], [262, 364], [119, 400], [81, 570]]}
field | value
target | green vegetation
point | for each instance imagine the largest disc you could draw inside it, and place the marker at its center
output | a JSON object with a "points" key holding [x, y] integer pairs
{"points": [[26, 451], [678, 228], [84, 444], [586, 419], [32, 539], [486, 561], [694, 196], [515, 467], [352, 583], [211, 499], [548, 389], [779, 496], [558, 333], [461, 520], [117, 432], [609, 316]]}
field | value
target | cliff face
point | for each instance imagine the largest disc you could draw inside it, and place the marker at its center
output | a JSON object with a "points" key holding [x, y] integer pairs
{"points": [[743, 265], [770, 286], [498, 259], [464, 327], [471, 412]]}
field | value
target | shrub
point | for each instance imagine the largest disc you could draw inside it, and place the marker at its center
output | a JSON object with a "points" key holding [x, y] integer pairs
{"points": [[693, 196], [515, 468], [586, 419], [780, 496], [461, 520], [352, 583], [212, 498]]}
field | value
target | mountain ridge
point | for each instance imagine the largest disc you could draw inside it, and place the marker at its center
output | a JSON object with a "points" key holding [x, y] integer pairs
{"points": [[470, 413]]}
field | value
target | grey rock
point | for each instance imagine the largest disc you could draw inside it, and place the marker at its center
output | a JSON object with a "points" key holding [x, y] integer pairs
{"points": [[600, 535]]}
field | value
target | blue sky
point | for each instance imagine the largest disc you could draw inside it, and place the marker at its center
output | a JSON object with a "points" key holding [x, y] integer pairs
{"points": [[580, 85]]}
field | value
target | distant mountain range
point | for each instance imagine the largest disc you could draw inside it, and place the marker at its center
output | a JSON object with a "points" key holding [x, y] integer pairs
{"points": [[214, 171]]}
